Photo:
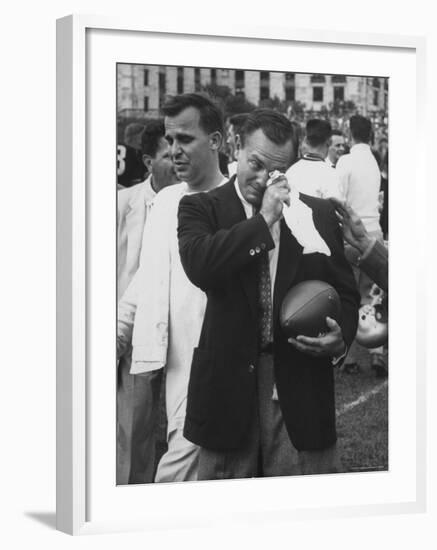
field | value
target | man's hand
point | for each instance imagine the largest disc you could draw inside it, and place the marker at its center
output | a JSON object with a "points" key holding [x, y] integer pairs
{"points": [[353, 229], [330, 344], [274, 197]]}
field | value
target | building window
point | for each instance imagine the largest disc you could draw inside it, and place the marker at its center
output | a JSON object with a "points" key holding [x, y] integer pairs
{"points": [[375, 98], [197, 79], [338, 79], [264, 89], [180, 80], [239, 82], [162, 82], [146, 103], [376, 83], [289, 77], [264, 76], [289, 93], [213, 76], [264, 92], [239, 77], [317, 78], [338, 93], [317, 93], [146, 77]]}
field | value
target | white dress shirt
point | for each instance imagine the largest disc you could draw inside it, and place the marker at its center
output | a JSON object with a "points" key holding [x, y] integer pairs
{"points": [[361, 180], [275, 231]]}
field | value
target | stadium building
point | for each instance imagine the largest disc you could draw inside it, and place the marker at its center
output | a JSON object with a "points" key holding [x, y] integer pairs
{"points": [[143, 88]]}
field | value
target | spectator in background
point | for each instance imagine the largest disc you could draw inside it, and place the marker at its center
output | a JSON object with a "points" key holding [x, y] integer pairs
{"points": [[236, 122], [382, 149], [137, 398], [311, 174], [336, 148], [130, 166], [361, 180]]}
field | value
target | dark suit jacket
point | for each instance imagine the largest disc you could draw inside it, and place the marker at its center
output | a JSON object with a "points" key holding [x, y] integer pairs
{"points": [[218, 250]]}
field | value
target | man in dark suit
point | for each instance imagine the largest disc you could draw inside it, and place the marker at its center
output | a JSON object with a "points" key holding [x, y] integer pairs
{"points": [[259, 404]]}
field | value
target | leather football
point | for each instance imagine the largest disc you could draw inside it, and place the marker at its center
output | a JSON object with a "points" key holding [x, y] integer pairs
{"points": [[306, 306]]}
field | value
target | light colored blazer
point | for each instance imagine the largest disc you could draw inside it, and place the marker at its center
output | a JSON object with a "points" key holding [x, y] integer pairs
{"points": [[133, 206]]}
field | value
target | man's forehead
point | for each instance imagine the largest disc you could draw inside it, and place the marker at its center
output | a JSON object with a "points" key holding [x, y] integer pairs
{"points": [[186, 120], [258, 143], [337, 139]]}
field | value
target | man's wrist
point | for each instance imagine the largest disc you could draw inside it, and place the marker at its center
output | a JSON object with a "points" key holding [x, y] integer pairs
{"points": [[364, 244], [338, 357], [267, 218], [367, 249]]}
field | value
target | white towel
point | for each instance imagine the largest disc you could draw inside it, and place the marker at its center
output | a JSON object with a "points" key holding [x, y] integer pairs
{"points": [[299, 218]]}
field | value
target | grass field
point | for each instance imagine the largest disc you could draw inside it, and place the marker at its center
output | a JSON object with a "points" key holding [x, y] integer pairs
{"points": [[362, 418]]}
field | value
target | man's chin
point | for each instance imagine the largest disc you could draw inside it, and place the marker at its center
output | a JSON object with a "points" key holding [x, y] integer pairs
{"points": [[254, 200], [181, 174]]}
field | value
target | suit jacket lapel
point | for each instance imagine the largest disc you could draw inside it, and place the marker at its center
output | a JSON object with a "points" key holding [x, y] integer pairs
{"points": [[290, 255], [231, 211]]}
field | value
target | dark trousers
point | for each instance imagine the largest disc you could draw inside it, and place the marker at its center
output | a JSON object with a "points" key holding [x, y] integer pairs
{"points": [[268, 451], [137, 417]]}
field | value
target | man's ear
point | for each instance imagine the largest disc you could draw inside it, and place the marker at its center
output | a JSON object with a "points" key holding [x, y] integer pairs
{"points": [[215, 140], [238, 145], [147, 161]]}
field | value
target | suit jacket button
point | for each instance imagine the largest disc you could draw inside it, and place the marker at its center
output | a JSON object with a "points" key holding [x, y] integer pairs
{"points": [[257, 249], [263, 246], [251, 368], [252, 252]]}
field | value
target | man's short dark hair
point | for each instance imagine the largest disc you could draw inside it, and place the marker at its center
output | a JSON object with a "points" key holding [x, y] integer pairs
{"points": [[211, 116], [361, 128], [152, 135], [275, 126], [132, 134], [318, 132], [238, 121], [337, 133]]}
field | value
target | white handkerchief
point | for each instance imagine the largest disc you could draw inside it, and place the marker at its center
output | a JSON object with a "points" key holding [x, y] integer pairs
{"points": [[299, 218]]}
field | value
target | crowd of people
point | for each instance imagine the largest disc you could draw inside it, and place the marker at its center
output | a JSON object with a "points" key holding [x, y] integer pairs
{"points": [[208, 246]]}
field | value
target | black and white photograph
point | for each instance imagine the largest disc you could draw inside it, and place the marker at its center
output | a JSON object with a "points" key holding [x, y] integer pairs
{"points": [[252, 273]]}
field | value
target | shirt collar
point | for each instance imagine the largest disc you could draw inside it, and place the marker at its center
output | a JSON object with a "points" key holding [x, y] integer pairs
{"points": [[360, 147], [248, 208]]}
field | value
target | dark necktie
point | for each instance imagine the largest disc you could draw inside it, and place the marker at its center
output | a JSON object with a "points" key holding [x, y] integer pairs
{"points": [[265, 319]]}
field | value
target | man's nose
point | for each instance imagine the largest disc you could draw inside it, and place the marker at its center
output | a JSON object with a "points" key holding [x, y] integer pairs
{"points": [[263, 178], [175, 149]]}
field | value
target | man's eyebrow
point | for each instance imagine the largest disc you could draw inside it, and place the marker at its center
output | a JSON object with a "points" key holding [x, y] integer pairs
{"points": [[254, 156], [179, 135]]}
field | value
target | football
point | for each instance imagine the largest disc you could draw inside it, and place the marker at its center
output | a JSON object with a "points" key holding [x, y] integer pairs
{"points": [[306, 306]]}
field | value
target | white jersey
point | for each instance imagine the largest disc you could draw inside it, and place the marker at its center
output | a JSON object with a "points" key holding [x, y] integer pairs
{"points": [[314, 177]]}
